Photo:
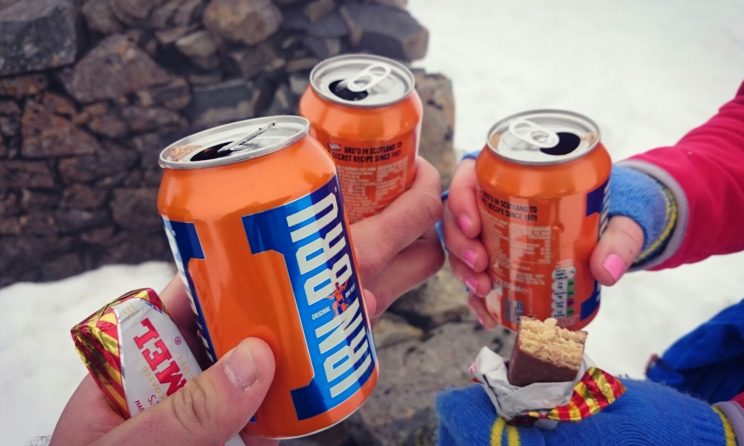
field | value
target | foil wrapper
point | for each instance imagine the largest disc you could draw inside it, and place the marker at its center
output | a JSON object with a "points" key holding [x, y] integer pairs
{"points": [[135, 353], [545, 403]]}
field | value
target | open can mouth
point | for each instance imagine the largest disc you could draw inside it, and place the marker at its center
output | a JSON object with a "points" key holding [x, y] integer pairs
{"points": [[234, 142], [543, 137]]}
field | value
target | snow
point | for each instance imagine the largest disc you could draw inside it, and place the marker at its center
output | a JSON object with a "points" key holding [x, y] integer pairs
{"points": [[645, 71]]}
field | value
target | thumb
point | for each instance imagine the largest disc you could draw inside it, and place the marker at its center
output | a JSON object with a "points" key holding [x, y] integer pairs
{"points": [[211, 408], [618, 247]]}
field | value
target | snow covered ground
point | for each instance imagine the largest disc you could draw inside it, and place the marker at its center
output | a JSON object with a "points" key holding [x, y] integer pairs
{"points": [[645, 71]]}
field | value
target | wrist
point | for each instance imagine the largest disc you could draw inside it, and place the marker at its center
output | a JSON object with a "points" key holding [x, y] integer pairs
{"points": [[648, 203]]}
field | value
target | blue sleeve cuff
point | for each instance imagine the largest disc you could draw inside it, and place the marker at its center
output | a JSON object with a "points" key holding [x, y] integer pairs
{"points": [[471, 155], [640, 197]]}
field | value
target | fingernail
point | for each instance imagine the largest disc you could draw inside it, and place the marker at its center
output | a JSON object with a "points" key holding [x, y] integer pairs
{"points": [[615, 266], [472, 284], [464, 223], [240, 367], [469, 258]]}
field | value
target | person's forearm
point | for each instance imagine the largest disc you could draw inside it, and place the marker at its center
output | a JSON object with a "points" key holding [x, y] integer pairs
{"points": [[705, 172]]}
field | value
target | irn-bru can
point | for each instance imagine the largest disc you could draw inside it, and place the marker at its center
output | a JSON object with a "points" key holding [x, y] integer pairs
{"points": [[365, 111], [543, 197], [255, 220]]}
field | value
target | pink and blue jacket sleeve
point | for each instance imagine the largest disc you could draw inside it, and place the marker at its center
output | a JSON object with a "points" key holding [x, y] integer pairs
{"points": [[705, 173]]}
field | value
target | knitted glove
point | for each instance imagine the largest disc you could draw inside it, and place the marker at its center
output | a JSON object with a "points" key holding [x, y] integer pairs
{"points": [[643, 199], [647, 414]]}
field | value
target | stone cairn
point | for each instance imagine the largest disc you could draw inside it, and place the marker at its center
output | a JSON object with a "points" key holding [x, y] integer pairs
{"points": [[92, 90]]}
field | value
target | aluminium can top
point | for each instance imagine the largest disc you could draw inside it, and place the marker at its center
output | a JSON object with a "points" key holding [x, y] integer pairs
{"points": [[543, 137], [362, 80], [234, 142]]}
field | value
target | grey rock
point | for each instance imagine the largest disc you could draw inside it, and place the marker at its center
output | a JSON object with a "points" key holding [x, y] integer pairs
{"points": [[10, 119], [335, 436], [400, 4], [63, 266], [317, 9], [392, 329], [134, 12], [136, 209], [105, 120], [386, 31], [100, 17], [198, 44], [438, 127], [34, 200], [245, 21], [401, 409], [101, 164], [149, 145], [171, 35], [284, 102], [48, 135], [256, 60], [34, 223], [298, 83], [301, 64], [440, 300], [114, 68], [37, 34], [24, 173], [97, 236], [331, 25], [83, 196], [22, 253], [228, 101], [143, 119], [174, 95], [136, 247], [9, 204], [323, 48], [24, 85], [75, 220]]}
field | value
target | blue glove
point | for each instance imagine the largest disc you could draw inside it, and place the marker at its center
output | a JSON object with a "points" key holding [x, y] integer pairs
{"points": [[643, 199], [647, 414], [708, 362]]}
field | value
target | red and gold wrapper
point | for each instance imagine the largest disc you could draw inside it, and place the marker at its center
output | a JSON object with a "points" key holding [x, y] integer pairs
{"points": [[545, 403], [134, 352]]}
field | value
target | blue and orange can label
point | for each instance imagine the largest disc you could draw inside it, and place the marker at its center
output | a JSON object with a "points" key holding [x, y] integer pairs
{"points": [[273, 259]]}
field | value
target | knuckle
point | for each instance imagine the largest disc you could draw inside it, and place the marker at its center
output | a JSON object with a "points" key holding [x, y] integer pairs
{"points": [[371, 262], [191, 408], [431, 208]]}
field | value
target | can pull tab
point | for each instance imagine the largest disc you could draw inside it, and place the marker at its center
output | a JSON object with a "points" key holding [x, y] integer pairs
{"points": [[368, 77], [534, 135], [238, 144]]}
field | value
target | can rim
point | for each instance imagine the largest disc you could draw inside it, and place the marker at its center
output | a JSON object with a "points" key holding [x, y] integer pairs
{"points": [[317, 71], [500, 124], [211, 137]]}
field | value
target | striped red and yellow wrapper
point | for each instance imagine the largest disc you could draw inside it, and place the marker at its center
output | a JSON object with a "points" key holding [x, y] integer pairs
{"points": [[134, 352], [595, 390], [591, 391]]}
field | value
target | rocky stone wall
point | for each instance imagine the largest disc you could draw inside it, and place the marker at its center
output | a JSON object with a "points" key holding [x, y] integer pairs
{"points": [[92, 90]]}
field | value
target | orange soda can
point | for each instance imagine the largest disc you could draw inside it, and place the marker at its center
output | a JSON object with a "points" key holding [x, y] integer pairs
{"points": [[542, 198], [364, 109], [255, 220]]}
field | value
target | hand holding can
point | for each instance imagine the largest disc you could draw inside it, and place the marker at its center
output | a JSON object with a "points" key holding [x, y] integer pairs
{"points": [[541, 195]]}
